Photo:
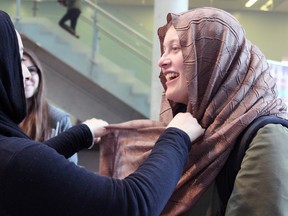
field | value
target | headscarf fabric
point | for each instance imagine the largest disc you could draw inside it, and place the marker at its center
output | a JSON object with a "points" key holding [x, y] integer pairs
{"points": [[12, 97], [229, 86]]}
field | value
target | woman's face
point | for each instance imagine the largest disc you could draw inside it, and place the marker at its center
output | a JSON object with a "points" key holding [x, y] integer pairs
{"points": [[31, 85], [171, 63], [25, 72]]}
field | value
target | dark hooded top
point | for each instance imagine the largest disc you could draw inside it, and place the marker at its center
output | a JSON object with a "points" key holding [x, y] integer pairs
{"points": [[13, 102], [36, 179]]}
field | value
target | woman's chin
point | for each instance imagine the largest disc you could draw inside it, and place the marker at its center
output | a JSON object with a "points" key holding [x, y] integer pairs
{"points": [[28, 95]]}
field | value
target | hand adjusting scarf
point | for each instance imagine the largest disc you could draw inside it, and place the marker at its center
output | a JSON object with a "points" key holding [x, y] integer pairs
{"points": [[229, 86]]}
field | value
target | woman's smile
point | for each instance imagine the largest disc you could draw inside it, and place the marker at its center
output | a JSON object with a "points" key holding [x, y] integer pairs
{"points": [[171, 76]]}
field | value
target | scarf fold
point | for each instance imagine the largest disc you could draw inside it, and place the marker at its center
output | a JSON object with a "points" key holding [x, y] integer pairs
{"points": [[127, 146], [229, 86]]}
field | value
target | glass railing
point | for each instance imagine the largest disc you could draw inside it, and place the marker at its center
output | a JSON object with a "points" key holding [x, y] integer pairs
{"points": [[100, 31]]}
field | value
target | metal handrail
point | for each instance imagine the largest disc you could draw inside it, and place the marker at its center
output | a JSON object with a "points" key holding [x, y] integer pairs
{"points": [[105, 13], [111, 35], [97, 27]]}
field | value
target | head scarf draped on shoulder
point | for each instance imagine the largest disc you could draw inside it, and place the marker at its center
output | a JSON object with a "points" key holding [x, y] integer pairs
{"points": [[229, 86], [12, 97]]}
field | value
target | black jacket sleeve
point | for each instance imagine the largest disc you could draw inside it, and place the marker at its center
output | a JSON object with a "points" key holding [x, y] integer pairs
{"points": [[72, 140], [39, 181]]}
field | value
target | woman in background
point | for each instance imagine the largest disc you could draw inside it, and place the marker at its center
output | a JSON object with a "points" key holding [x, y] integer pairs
{"points": [[43, 120]]}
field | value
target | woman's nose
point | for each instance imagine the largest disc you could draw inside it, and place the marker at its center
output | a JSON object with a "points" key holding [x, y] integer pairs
{"points": [[164, 61], [26, 72]]}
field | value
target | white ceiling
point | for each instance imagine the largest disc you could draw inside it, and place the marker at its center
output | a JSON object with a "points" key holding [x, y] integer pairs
{"points": [[231, 5]]}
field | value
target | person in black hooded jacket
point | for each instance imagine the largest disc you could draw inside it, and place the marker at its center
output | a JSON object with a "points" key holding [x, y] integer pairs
{"points": [[36, 179]]}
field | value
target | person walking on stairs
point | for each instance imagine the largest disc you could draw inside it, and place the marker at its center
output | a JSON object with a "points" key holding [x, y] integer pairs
{"points": [[73, 12]]}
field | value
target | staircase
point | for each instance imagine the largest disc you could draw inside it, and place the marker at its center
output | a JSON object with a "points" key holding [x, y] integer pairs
{"points": [[102, 71]]}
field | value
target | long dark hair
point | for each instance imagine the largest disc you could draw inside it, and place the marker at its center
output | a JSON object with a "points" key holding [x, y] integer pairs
{"points": [[35, 125]]}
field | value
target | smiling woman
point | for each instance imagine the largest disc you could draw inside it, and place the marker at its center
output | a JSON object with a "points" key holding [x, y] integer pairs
{"points": [[211, 70], [171, 63], [43, 120], [228, 84]]}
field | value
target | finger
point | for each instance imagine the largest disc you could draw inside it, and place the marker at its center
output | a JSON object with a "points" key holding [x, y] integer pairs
{"points": [[97, 140]]}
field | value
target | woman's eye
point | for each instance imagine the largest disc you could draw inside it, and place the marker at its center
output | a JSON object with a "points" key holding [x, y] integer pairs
{"points": [[175, 48], [32, 70]]}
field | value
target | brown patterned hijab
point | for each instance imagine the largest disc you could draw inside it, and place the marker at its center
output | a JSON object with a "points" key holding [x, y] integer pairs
{"points": [[229, 86]]}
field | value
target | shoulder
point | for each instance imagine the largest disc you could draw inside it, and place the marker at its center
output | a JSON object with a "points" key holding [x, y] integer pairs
{"points": [[59, 116], [57, 113], [260, 127], [272, 132], [270, 138]]}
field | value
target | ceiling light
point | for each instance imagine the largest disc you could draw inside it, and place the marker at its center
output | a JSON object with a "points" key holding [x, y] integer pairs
{"points": [[267, 6], [250, 3]]}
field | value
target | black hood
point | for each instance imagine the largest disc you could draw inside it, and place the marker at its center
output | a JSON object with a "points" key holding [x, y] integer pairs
{"points": [[12, 95]]}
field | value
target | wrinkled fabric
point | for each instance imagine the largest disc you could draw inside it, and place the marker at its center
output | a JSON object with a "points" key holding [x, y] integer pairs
{"points": [[127, 146], [229, 86]]}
